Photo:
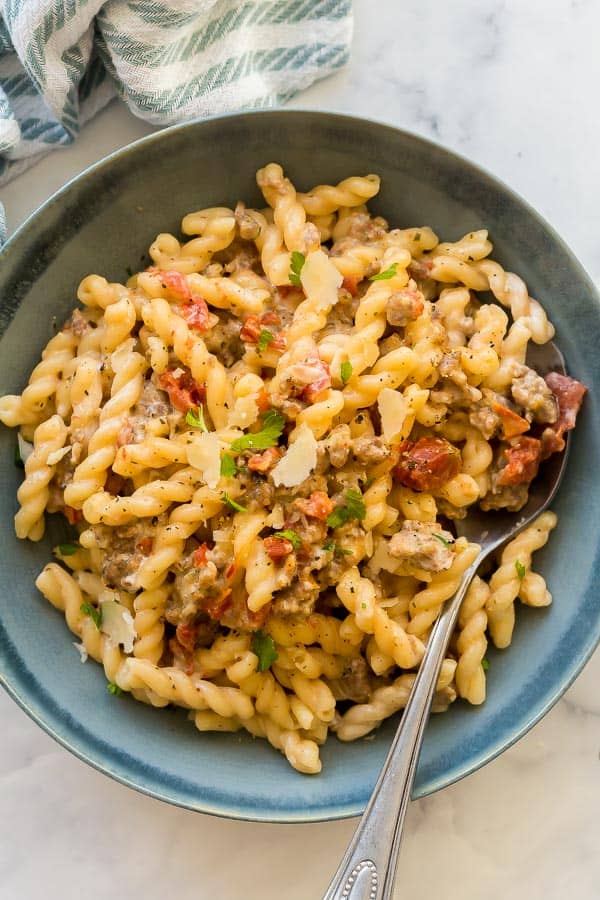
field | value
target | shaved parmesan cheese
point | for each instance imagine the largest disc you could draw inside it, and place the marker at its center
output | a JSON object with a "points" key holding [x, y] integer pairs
{"points": [[25, 448], [83, 654], [277, 517], [393, 409], [299, 460], [204, 454], [244, 413], [117, 622], [320, 280], [57, 455]]}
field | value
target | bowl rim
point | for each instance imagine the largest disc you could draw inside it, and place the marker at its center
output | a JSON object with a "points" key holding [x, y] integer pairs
{"points": [[338, 810]]}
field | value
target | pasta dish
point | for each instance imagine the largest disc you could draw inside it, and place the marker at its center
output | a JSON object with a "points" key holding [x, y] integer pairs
{"points": [[262, 440]]}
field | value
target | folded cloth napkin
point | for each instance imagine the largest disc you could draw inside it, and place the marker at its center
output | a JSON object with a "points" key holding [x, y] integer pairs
{"points": [[170, 60]]}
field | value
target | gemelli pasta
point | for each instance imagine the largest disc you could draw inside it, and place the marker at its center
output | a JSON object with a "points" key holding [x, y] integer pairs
{"points": [[262, 441]]}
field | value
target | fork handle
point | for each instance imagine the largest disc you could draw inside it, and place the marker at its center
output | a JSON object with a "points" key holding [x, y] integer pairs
{"points": [[368, 868]]}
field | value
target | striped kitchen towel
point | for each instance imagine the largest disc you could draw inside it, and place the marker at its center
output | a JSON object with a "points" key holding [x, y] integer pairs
{"points": [[170, 60]]}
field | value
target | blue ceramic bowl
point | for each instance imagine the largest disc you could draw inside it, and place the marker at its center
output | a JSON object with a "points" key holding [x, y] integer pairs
{"points": [[103, 221]]}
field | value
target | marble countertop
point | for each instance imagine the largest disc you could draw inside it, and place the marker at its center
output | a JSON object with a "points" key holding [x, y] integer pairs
{"points": [[513, 86]]}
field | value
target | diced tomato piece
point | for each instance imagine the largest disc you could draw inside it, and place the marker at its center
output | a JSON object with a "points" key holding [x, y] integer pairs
{"points": [[320, 384], [183, 391], [523, 462], [250, 330], [318, 505], [350, 284], [199, 555], [174, 283], [279, 341], [569, 394], [253, 327], [145, 545], [216, 606], [278, 548], [195, 313], [74, 516], [263, 401], [512, 423], [263, 462], [186, 635], [427, 464], [270, 318]]}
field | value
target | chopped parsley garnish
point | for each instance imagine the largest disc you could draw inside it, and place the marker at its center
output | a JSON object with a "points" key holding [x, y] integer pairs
{"points": [[264, 647], [290, 535], [18, 459], [417, 236], [228, 466], [386, 275], [95, 614], [273, 424], [230, 502], [296, 262], [353, 508], [441, 539], [195, 418], [485, 664], [521, 570], [264, 339], [113, 689], [346, 371], [68, 549]]}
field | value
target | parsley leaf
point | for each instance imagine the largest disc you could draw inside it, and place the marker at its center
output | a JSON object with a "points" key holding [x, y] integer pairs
{"points": [[485, 664], [442, 540], [385, 276], [355, 504], [273, 424], [354, 508], [230, 502], [521, 570], [68, 549], [195, 418], [296, 262], [94, 614], [346, 371], [264, 339], [290, 535], [113, 689], [264, 647], [228, 466]]}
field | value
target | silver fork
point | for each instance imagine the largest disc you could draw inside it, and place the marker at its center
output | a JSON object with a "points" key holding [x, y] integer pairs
{"points": [[367, 870]]}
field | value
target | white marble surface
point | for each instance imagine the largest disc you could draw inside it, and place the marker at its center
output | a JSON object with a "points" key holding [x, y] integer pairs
{"points": [[513, 85]]}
